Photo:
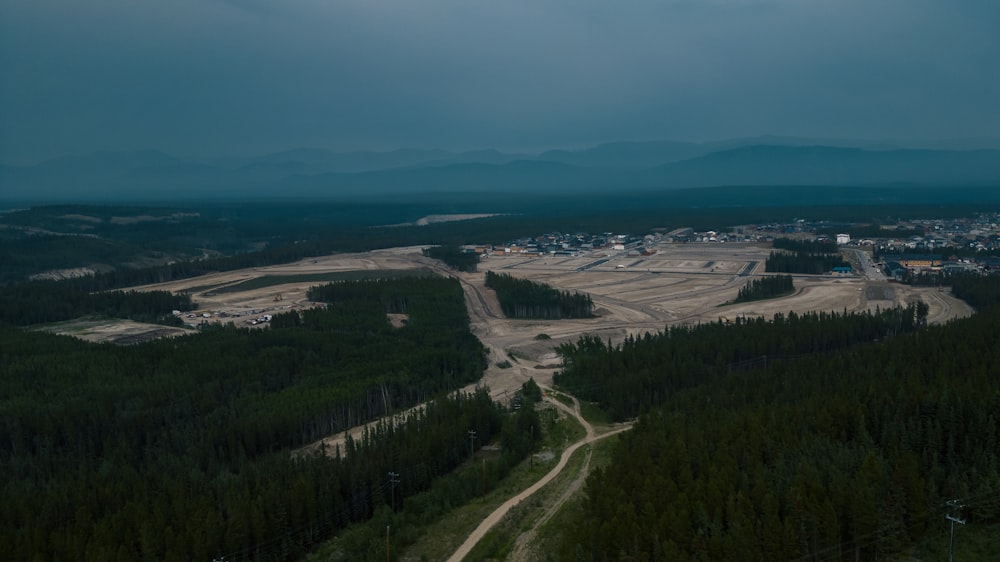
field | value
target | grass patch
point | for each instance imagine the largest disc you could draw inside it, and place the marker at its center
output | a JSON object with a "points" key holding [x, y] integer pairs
{"points": [[550, 534], [500, 542], [202, 288], [440, 539], [594, 414], [360, 275], [561, 397]]}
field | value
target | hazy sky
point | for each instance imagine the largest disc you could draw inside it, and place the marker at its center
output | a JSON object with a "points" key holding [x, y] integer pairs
{"points": [[224, 77]]}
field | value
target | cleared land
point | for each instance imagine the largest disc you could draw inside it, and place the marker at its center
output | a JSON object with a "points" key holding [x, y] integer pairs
{"points": [[680, 284]]}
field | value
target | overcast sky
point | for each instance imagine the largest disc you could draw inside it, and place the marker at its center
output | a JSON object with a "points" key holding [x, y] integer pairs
{"points": [[238, 77]]}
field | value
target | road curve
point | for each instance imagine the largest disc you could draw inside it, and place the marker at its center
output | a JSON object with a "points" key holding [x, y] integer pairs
{"points": [[493, 518]]}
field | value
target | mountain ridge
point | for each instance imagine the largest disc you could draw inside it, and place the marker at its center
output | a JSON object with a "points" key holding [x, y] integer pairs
{"points": [[145, 174]]}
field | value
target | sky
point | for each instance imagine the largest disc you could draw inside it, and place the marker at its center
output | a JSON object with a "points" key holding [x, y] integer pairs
{"points": [[243, 77]]}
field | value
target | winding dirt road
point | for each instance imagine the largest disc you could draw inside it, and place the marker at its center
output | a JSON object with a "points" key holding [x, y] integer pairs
{"points": [[499, 513]]}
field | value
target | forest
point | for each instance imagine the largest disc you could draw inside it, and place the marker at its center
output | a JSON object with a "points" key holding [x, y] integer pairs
{"points": [[454, 257], [522, 298], [766, 288], [803, 438], [39, 302], [179, 449], [800, 256]]}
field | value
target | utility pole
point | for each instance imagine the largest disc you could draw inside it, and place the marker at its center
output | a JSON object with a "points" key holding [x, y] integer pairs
{"points": [[472, 439], [531, 451], [953, 504], [393, 479], [388, 555]]}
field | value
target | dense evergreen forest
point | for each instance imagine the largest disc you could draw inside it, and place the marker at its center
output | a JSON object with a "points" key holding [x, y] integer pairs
{"points": [[802, 256], [521, 298], [807, 438], [454, 257], [766, 288], [641, 372], [178, 449], [52, 301]]}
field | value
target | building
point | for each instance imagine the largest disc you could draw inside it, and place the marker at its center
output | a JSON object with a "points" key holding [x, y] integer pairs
{"points": [[919, 261]]}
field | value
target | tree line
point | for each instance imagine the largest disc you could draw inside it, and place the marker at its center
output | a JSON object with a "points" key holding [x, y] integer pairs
{"points": [[804, 256], [521, 298], [454, 256], [845, 452], [638, 374], [810, 264], [53, 301], [766, 288]]}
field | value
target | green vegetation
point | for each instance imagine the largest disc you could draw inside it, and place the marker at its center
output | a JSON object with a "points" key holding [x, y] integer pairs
{"points": [[521, 298], [979, 291], [474, 480], [498, 543], [53, 301], [766, 288], [531, 392], [179, 449], [436, 536], [276, 280], [455, 257], [641, 372], [843, 449], [810, 257]]}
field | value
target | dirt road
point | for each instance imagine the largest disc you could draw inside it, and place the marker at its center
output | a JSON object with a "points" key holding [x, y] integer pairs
{"points": [[499, 513]]}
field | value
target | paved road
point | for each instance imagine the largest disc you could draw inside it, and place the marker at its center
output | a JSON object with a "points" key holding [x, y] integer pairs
{"points": [[868, 269]]}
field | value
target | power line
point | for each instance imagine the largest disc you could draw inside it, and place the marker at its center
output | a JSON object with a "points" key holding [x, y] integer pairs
{"points": [[393, 480]]}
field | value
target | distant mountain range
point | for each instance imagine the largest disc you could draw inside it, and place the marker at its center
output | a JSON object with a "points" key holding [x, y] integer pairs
{"points": [[314, 172]]}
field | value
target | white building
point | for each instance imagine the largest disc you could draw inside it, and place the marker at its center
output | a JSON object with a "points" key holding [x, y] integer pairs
{"points": [[843, 239]]}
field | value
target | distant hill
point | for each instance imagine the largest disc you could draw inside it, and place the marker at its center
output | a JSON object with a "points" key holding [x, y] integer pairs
{"points": [[514, 177], [824, 165], [308, 172], [321, 160], [629, 155]]}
